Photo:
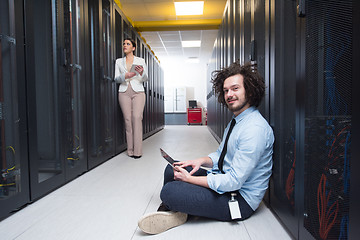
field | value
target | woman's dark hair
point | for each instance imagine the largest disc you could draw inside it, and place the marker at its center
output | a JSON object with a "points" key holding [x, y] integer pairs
{"points": [[253, 82], [132, 42]]}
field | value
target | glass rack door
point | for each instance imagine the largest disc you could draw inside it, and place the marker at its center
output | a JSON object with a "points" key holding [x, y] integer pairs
{"points": [[100, 128], [14, 188], [120, 144], [76, 162], [108, 88], [43, 95], [283, 118], [328, 63]]}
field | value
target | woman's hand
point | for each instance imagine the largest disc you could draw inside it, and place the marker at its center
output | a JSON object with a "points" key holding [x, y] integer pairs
{"points": [[129, 75], [139, 69]]}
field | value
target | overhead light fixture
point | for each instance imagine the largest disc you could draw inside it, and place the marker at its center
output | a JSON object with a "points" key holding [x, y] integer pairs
{"points": [[189, 8], [190, 44]]}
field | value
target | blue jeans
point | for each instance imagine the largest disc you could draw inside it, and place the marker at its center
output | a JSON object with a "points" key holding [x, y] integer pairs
{"points": [[199, 201]]}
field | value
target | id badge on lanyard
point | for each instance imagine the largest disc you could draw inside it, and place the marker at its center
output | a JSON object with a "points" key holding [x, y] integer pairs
{"points": [[234, 207]]}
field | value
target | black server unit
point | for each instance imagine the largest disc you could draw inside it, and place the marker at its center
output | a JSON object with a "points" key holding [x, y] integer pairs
{"points": [[146, 90], [311, 112], [100, 97], [306, 51], [354, 215], [45, 91], [119, 118], [72, 47], [56, 57], [327, 62], [14, 187], [282, 54]]}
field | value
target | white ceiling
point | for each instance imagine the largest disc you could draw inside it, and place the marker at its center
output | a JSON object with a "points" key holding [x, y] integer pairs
{"points": [[160, 14], [167, 44]]}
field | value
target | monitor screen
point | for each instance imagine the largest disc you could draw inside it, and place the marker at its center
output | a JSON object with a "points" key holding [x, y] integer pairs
{"points": [[192, 104]]}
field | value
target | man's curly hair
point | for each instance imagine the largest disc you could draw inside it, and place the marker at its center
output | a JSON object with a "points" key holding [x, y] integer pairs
{"points": [[253, 82]]}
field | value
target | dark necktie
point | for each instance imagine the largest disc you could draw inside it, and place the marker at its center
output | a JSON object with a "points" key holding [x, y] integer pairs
{"points": [[223, 152]]}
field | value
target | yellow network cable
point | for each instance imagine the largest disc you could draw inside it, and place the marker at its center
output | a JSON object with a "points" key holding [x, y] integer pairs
{"points": [[7, 184], [12, 149]]}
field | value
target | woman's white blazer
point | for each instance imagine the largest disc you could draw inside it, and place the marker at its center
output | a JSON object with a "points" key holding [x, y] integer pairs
{"points": [[136, 82]]}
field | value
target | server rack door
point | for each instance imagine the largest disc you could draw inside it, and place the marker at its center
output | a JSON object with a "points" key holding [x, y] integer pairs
{"points": [[236, 29], [328, 42], [108, 66], [43, 97], [14, 184], [101, 144], [147, 93], [156, 76], [119, 118], [152, 97], [74, 78], [257, 48], [283, 115]]}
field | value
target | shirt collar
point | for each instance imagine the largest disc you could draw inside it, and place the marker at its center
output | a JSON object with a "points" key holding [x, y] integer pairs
{"points": [[242, 115]]}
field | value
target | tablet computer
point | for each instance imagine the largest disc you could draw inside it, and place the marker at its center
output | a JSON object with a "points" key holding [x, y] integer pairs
{"points": [[133, 68], [166, 156]]}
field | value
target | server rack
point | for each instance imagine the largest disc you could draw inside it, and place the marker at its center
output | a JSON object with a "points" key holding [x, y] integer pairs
{"points": [[73, 62], [326, 118], [119, 118], [62, 117], [14, 187], [44, 92], [101, 122], [282, 54], [306, 52]]}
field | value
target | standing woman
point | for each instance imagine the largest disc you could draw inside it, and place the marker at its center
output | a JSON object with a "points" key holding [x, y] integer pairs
{"points": [[131, 72]]}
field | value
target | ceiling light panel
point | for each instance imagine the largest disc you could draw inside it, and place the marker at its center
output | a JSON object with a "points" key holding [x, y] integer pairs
{"points": [[189, 8], [188, 44]]}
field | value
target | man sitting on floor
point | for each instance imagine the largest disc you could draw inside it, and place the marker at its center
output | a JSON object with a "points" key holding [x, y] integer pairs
{"points": [[240, 168]]}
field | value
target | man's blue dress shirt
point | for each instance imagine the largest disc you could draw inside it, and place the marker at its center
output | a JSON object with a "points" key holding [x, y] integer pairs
{"points": [[248, 160]]}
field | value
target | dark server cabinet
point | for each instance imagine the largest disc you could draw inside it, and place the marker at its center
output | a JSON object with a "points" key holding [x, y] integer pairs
{"points": [[55, 93], [283, 112], [73, 75], [307, 52], [120, 143], [327, 41], [59, 113], [146, 89], [101, 139], [14, 187], [45, 91], [312, 117]]}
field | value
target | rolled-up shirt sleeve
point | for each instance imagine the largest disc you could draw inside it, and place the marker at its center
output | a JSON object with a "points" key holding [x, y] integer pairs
{"points": [[215, 159]]}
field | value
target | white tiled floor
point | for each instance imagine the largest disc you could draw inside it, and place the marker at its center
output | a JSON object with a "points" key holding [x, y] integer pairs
{"points": [[106, 202]]}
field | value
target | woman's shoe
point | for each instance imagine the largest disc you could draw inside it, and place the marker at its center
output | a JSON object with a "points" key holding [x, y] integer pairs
{"points": [[136, 157]]}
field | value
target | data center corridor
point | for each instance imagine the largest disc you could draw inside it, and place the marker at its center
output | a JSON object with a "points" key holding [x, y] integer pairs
{"points": [[106, 202]]}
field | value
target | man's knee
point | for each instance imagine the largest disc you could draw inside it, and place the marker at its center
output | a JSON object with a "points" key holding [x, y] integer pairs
{"points": [[168, 174]]}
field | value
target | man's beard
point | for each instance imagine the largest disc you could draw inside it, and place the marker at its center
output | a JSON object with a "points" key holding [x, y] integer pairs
{"points": [[236, 108]]}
